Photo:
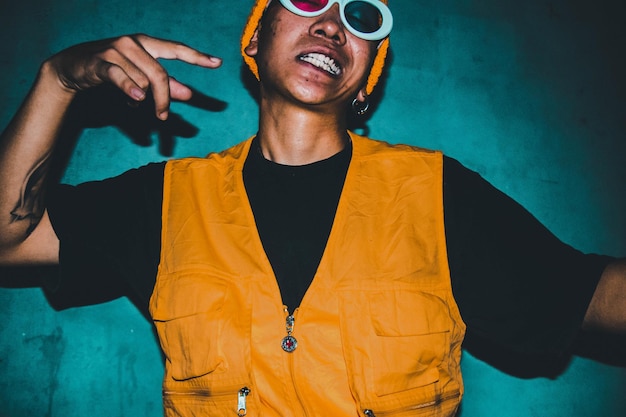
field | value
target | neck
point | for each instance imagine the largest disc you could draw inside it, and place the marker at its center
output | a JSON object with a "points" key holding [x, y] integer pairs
{"points": [[291, 134]]}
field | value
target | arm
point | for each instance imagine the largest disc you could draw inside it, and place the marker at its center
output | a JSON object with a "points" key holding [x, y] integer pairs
{"points": [[25, 153], [519, 288], [607, 310], [27, 144]]}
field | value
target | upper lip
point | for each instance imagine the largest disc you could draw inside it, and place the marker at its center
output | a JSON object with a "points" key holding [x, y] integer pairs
{"points": [[334, 64]]}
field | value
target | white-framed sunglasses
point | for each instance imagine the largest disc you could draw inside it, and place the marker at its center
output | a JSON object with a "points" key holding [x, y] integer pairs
{"points": [[367, 19]]}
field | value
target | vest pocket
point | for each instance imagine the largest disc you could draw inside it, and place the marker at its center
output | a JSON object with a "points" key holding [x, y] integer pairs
{"points": [[188, 312], [411, 339], [396, 353]]}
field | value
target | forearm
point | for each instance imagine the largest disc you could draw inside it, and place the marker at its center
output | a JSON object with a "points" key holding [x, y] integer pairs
{"points": [[25, 154], [129, 63], [607, 310]]}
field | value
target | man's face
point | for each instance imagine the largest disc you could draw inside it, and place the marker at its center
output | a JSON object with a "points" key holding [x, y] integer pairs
{"points": [[312, 60]]}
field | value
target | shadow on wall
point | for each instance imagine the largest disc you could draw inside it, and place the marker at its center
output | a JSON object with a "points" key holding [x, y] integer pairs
{"points": [[46, 278], [605, 348], [108, 106]]}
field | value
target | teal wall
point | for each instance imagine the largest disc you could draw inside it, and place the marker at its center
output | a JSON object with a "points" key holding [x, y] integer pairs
{"points": [[531, 94]]}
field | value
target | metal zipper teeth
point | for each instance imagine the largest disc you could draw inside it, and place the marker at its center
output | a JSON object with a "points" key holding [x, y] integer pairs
{"points": [[194, 392], [205, 392], [371, 413], [239, 396]]}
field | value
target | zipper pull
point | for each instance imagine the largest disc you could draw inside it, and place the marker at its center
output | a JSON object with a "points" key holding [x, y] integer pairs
{"points": [[369, 413], [289, 343], [241, 401]]}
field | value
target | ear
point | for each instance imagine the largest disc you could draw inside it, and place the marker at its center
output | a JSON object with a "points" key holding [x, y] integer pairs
{"points": [[253, 46], [362, 95]]}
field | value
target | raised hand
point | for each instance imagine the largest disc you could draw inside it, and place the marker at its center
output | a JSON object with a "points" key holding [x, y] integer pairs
{"points": [[27, 144], [131, 63]]}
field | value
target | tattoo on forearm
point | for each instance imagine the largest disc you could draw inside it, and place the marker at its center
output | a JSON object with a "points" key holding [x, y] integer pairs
{"points": [[31, 204]]}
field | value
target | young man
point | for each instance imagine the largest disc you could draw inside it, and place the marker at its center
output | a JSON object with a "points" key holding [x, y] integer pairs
{"points": [[361, 232]]}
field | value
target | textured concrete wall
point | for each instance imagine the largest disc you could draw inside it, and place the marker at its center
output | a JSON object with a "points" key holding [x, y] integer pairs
{"points": [[530, 94]]}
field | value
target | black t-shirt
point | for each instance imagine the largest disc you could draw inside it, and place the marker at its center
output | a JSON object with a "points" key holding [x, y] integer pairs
{"points": [[517, 286]]}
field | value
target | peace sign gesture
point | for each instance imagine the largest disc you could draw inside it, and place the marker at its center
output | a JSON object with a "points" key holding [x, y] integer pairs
{"points": [[130, 63]]}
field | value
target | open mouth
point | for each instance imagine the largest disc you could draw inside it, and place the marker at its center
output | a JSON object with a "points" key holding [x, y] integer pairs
{"points": [[322, 61]]}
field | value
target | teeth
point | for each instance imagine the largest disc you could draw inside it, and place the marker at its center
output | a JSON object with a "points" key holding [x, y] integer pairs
{"points": [[322, 61]]}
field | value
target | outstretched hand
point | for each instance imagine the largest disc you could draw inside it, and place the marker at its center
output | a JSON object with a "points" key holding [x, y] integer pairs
{"points": [[130, 63]]}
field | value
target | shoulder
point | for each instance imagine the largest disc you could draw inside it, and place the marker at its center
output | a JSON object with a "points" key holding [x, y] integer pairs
{"points": [[233, 155], [368, 147]]}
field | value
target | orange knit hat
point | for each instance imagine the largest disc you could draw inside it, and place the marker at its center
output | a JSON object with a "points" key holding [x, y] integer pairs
{"points": [[253, 23]]}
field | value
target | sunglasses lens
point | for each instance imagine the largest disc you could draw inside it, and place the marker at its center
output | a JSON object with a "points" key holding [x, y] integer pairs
{"points": [[363, 17], [310, 5]]}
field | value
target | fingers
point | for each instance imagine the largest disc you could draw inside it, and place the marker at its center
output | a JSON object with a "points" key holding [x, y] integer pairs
{"points": [[142, 60], [164, 87], [117, 76], [160, 48], [179, 91], [144, 69], [131, 63], [134, 71]]}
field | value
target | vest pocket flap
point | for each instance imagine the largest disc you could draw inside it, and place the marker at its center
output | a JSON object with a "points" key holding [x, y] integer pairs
{"points": [[408, 313], [186, 295]]}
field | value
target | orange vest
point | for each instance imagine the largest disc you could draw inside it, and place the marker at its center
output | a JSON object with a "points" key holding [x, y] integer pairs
{"points": [[378, 332]]}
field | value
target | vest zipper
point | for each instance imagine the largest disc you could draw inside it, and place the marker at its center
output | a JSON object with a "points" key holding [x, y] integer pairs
{"points": [[242, 395], [370, 413], [290, 322], [241, 401], [289, 343]]}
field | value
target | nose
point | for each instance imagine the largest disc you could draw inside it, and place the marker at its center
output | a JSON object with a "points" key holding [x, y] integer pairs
{"points": [[329, 25]]}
